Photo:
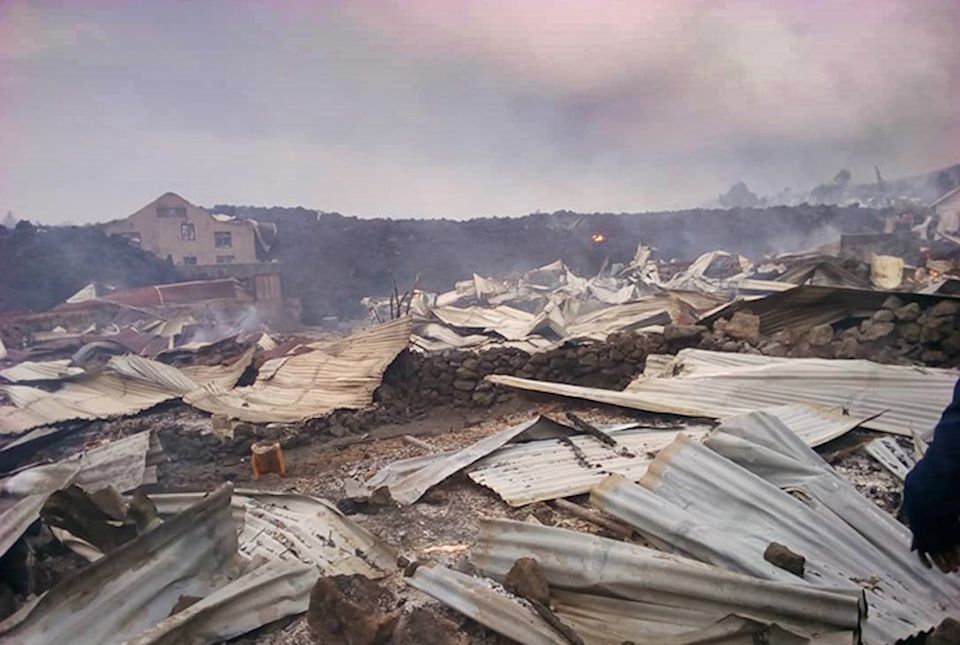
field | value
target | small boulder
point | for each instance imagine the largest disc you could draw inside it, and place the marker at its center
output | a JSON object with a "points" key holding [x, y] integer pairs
{"points": [[907, 313], [847, 348], [892, 302], [744, 326], [910, 332], [884, 315], [820, 335], [944, 308], [874, 330]]}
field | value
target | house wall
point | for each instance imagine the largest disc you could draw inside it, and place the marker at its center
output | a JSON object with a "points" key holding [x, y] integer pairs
{"points": [[161, 235], [949, 212]]}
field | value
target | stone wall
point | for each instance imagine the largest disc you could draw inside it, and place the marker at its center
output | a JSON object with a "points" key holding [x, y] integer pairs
{"points": [[414, 383], [897, 333]]}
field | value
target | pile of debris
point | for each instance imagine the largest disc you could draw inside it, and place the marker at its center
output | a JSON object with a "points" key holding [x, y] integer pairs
{"points": [[551, 306], [826, 322], [708, 517]]}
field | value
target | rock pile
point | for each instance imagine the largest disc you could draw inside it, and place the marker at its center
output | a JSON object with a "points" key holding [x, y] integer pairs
{"points": [[899, 333]]}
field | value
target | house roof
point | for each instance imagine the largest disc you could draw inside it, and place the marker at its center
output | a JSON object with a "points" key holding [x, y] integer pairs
{"points": [[946, 196]]}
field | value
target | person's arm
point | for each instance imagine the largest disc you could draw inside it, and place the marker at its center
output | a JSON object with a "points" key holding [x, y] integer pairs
{"points": [[931, 492]]}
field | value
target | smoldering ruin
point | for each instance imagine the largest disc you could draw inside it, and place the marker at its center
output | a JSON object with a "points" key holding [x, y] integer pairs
{"points": [[567, 428]]}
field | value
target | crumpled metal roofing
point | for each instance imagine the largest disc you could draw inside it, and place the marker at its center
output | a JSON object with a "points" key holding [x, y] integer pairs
{"points": [[597, 619], [251, 557], [410, 487], [717, 384], [285, 526], [891, 456], [20, 505], [268, 593], [547, 469], [129, 384], [180, 293], [755, 482], [479, 599], [584, 563], [511, 323], [541, 467], [41, 371], [602, 620], [136, 585], [341, 374], [123, 465]]}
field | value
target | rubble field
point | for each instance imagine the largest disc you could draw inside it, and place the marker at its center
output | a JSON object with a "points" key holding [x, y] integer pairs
{"points": [[662, 452]]}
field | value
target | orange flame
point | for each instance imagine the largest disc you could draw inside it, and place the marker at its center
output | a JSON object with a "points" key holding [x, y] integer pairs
{"points": [[598, 238]]}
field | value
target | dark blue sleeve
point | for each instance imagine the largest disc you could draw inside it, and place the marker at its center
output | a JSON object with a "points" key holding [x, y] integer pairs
{"points": [[931, 492]]}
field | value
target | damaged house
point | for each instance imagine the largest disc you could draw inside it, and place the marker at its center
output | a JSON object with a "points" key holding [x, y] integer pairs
{"points": [[171, 227]]}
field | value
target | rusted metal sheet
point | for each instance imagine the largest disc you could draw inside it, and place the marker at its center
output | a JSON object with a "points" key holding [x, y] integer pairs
{"points": [[340, 374], [179, 293]]}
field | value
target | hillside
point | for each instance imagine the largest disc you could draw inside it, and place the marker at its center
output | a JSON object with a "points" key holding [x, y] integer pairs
{"points": [[331, 261], [42, 266]]}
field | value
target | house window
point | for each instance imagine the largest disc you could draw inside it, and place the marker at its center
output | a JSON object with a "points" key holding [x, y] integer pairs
{"points": [[188, 232], [189, 259], [171, 211], [132, 238], [222, 240], [225, 259]]}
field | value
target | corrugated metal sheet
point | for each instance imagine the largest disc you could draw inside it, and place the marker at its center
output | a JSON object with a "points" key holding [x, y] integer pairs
{"points": [[124, 464], [544, 469], [907, 399], [601, 620], [137, 585], [342, 374], [41, 371], [724, 503], [479, 599], [891, 456], [282, 526], [178, 293], [20, 503], [548, 469], [580, 562], [597, 619], [411, 487], [128, 385], [268, 593], [251, 557], [631, 316], [433, 337], [512, 324]]}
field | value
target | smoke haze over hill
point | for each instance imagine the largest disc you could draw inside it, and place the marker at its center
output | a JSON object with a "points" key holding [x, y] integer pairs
{"points": [[437, 109]]}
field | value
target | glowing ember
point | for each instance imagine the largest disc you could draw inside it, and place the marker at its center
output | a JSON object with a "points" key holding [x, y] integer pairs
{"points": [[598, 238]]}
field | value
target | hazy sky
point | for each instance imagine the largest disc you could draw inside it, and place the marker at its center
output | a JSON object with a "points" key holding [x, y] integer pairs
{"points": [[442, 108]]}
